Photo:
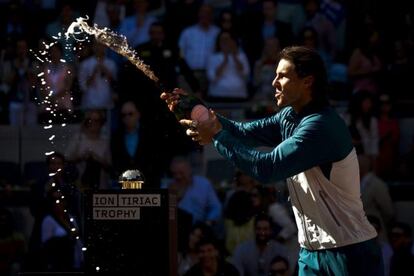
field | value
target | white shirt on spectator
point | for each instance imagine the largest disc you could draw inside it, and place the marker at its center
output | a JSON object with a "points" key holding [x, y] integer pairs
{"points": [[98, 94], [196, 44], [232, 83]]}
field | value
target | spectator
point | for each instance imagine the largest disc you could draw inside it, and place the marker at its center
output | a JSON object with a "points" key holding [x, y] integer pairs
{"points": [[389, 137], [386, 248], [239, 220], [196, 43], [402, 243], [89, 149], [165, 61], [293, 13], [227, 22], [253, 257], [309, 38], [264, 70], [325, 37], [132, 146], [60, 176], [136, 27], [273, 27], [211, 261], [55, 92], [97, 75], [109, 13], [195, 193], [279, 266], [180, 15], [375, 194], [12, 245], [364, 125], [227, 71], [60, 235], [19, 81], [58, 27], [364, 64], [188, 256], [267, 26]]}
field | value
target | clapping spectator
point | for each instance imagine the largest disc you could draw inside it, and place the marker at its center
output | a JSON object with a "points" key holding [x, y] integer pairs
{"points": [[89, 149], [97, 75], [227, 70]]}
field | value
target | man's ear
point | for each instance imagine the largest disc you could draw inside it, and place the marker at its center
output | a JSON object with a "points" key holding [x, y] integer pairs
{"points": [[308, 81]]}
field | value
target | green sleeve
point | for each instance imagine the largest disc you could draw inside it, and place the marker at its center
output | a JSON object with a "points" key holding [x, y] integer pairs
{"points": [[314, 143]]}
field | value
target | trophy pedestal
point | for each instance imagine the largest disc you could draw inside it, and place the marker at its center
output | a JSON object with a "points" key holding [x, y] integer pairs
{"points": [[131, 232]]}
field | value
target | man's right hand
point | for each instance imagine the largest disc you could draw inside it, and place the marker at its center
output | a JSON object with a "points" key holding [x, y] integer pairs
{"points": [[172, 98]]}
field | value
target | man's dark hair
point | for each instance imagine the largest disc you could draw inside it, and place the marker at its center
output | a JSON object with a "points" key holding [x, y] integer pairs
{"points": [[263, 217], [278, 259], [208, 240], [308, 63]]}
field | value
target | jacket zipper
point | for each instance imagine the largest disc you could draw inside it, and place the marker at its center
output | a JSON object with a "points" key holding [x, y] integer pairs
{"points": [[322, 195]]}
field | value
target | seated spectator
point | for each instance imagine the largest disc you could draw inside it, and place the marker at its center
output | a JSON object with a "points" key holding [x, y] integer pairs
{"points": [[253, 257], [239, 220], [363, 124], [401, 240], [60, 239], [375, 194], [279, 266], [227, 71], [211, 261], [389, 138], [188, 256], [12, 245], [60, 176], [195, 193], [386, 248], [364, 64], [89, 149]]}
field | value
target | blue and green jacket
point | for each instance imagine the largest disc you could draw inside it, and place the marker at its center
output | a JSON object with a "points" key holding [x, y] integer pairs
{"points": [[313, 151]]}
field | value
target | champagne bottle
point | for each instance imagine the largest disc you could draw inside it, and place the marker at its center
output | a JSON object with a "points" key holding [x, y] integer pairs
{"points": [[192, 108]]}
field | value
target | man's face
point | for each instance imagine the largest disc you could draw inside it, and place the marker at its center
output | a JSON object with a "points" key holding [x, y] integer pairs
{"points": [[207, 254], [263, 231], [130, 115], [279, 269], [181, 172], [156, 34], [290, 89]]}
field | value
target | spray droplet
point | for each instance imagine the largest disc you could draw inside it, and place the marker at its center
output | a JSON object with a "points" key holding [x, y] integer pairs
{"points": [[57, 201], [83, 248], [49, 153]]}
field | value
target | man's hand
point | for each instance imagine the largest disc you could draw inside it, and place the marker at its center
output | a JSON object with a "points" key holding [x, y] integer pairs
{"points": [[172, 98], [203, 132]]}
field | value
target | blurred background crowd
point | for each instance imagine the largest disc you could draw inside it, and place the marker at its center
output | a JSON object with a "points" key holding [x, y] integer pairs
{"points": [[107, 117]]}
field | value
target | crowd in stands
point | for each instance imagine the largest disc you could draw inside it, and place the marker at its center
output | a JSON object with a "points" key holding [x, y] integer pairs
{"points": [[225, 52]]}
